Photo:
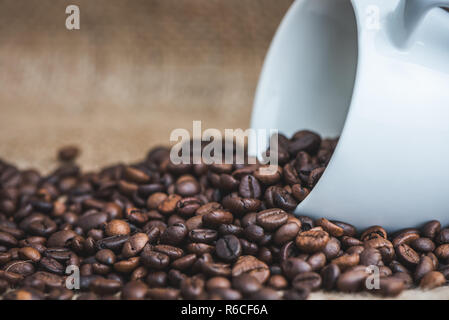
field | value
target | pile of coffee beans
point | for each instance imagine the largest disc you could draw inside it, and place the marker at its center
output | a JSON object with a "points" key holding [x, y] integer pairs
{"points": [[156, 230]]}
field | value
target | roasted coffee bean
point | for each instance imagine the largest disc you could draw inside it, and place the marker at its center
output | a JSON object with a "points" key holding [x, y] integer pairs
{"points": [[216, 269], [346, 261], [442, 252], [332, 248], [329, 276], [424, 266], [373, 232], [423, 245], [278, 282], [370, 257], [389, 287], [305, 140], [252, 266], [271, 219], [331, 228], [51, 265], [135, 244], [104, 286], [384, 246], [249, 187], [134, 290], [348, 230], [127, 266], [352, 281], [246, 284], [7, 239], [405, 237], [287, 232], [68, 153], [431, 229], [443, 236], [293, 266], [155, 260], [92, 220], [312, 240], [254, 233], [317, 261], [218, 283], [407, 255], [432, 280], [228, 248], [297, 294], [203, 235], [29, 253], [174, 234], [114, 243], [105, 256], [192, 288], [185, 262], [265, 294], [171, 251], [310, 280], [157, 279], [117, 227]]}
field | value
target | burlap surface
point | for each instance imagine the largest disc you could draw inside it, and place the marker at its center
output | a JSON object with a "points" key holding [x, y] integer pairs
{"points": [[132, 73]]}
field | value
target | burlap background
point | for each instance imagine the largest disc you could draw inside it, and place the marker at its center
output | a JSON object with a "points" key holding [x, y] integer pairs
{"points": [[132, 73]]}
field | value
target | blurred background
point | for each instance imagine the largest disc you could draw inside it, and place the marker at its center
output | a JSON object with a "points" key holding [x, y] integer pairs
{"points": [[133, 72]]}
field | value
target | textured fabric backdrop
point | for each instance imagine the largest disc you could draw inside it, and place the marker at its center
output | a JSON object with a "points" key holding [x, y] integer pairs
{"points": [[132, 73]]}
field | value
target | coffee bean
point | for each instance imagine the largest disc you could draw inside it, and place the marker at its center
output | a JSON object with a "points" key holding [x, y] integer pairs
{"points": [[346, 261], [203, 235], [135, 175], [310, 280], [424, 266], [407, 255], [317, 261], [155, 260], [332, 248], [278, 282], [174, 234], [29, 253], [252, 266], [286, 233], [271, 219], [443, 236], [432, 280], [431, 229], [293, 266], [104, 286], [305, 140], [297, 294], [423, 245], [389, 287], [217, 217], [373, 232], [228, 248], [134, 290], [330, 227], [312, 240], [7, 239], [370, 257], [265, 294], [246, 284], [329, 275], [68, 153], [352, 281], [135, 244], [105, 256], [117, 227]]}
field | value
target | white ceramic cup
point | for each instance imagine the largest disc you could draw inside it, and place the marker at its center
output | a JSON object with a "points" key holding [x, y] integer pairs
{"points": [[376, 73]]}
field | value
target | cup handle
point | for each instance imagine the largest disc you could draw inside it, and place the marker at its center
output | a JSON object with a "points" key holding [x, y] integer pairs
{"points": [[415, 11]]}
